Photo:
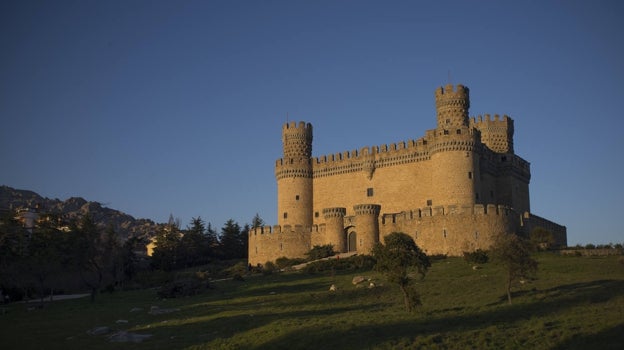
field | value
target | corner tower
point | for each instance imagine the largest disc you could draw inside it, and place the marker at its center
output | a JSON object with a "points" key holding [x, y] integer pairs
{"points": [[294, 175]]}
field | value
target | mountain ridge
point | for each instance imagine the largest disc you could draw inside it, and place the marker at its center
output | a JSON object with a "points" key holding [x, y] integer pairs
{"points": [[75, 207]]}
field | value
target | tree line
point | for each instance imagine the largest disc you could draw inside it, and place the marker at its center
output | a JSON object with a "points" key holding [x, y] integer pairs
{"points": [[48, 259], [199, 244]]}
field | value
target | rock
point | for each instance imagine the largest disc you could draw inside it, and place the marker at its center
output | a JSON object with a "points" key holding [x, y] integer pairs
{"points": [[99, 330], [155, 310], [371, 285], [127, 337], [358, 279], [136, 309], [121, 321], [333, 288], [476, 267]]}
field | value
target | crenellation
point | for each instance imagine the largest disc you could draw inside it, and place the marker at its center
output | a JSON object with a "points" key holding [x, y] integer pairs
{"points": [[462, 177]]}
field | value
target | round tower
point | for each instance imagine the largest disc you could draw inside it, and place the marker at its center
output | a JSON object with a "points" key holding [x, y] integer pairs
{"points": [[367, 226], [334, 228], [294, 175], [454, 157], [452, 106]]}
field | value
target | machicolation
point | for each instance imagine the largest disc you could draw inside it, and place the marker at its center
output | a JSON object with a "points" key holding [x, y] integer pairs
{"points": [[452, 190]]}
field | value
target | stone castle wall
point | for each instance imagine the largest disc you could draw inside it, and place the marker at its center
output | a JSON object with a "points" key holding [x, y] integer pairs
{"points": [[453, 172]]}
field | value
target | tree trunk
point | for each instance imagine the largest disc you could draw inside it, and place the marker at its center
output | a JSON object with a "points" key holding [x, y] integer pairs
{"points": [[406, 298], [509, 290]]}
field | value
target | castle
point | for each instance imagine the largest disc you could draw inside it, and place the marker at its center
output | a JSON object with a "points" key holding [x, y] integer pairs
{"points": [[451, 190]]}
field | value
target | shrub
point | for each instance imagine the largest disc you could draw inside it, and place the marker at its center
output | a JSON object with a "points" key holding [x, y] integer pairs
{"points": [[437, 257], [477, 257], [320, 251], [356, 262], [285, 262], [268, 268], [237, 271], [183, 287], [590, 246]]}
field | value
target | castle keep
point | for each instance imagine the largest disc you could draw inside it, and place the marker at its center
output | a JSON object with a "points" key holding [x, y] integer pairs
{"points": [[452, 190]]}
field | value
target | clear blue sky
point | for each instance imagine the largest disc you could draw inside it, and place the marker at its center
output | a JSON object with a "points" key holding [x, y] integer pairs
{"points": [[176, 107]]}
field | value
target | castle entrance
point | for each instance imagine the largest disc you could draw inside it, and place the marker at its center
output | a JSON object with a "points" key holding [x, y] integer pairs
{"points": [[352, 242]]}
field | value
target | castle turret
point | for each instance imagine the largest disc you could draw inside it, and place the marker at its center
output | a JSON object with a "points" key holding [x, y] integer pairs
{"points": [[334, 228], [367, 226], [497, 133], [454, 151], [294, 175], [452, 106]]}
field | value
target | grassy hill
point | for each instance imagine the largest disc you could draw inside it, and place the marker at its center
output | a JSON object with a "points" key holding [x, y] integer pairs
{"points": [[576, 303]]}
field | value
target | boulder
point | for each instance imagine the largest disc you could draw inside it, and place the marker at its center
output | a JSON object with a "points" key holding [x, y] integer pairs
{"points": [[99, 330], [127, 337], [358, 279]]}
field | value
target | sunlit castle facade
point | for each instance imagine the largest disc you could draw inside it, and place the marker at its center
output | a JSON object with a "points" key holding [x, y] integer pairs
{"points": [[451, 190]]}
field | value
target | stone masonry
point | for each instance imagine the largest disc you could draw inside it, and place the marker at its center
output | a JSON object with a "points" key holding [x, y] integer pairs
{"points": [[452, 190]]}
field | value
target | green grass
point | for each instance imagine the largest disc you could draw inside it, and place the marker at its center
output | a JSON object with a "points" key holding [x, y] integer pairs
{"points": [[575, 303]]}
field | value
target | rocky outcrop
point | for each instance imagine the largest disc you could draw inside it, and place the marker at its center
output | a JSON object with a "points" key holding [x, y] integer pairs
{"points": [[74, 208]]}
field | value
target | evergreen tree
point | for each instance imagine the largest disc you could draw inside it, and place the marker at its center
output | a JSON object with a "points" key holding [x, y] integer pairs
{"points": [[257, 221], [194, 244], [165, 255], [232, 245]]}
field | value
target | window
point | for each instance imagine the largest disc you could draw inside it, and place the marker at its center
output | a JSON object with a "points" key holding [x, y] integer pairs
{"points": [[415, 235], [429, 202], [444, 232], [285, 215], [446, 132], [297, 197], [477, 235], [369, 192], [458, 131], [316, 214], [448, 121], [470, 174]]}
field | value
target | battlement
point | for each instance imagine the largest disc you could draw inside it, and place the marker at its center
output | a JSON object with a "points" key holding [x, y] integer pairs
{"points": [[298, 127], [370, 157], [473, 210], [487, 118], [285, 229], [450, 91]]}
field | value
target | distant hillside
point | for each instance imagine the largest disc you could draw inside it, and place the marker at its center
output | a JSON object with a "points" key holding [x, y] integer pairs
{"points": [[75, 207]]}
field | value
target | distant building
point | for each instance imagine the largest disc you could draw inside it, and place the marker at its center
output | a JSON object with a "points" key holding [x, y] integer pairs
{"points": [[452, 190], [28, 217]]}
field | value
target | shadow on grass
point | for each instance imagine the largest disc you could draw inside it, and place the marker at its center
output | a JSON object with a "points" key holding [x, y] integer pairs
{"points": [[612, 338], [594, 292], [370, 335]]}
